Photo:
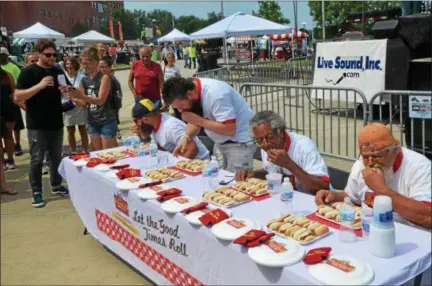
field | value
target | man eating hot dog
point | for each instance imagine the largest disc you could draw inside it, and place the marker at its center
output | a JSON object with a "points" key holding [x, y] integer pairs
{"points": [[386, 168], [296, 156]]}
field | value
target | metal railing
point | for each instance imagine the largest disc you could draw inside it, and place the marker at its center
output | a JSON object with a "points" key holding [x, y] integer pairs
{"points": [[392, 108], [331, 122]]}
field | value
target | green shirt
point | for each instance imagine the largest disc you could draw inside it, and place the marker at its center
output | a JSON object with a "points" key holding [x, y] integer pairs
{"points": [[12, 69], [154, 56], [192, 52]]}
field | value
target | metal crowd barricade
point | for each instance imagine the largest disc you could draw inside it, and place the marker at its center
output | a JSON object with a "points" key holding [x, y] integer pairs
{"points": [[332, 122], [222, 74], [392, 108]]}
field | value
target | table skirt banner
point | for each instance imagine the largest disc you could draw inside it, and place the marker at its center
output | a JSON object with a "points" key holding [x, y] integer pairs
{"points": [[167, 249]]}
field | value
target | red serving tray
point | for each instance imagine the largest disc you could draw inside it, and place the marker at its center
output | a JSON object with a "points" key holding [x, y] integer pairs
{"points": [[316, 218]]}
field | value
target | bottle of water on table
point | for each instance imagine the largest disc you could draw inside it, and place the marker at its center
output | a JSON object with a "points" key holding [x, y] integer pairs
{"points": [[153, 153], [214, 177], [206, 174], [142, 150], [382, 230], [286, 197], [347, 215]]}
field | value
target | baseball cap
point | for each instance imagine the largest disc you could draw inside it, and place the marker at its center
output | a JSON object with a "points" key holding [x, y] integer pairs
{"points": [[144, 107], [3, 50], [151, 45], [376, 136]]}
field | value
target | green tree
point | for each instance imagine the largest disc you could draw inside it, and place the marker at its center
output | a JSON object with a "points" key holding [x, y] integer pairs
{"points": [[190, 24], [78, 29], [212, 18], [271, 11], [164, 18], [130, 27]]}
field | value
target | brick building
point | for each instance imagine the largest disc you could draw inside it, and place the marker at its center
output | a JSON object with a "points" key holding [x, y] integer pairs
{"points": [[57, 15]]}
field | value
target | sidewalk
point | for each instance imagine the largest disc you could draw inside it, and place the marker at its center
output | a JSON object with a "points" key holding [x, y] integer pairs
{"points": [[46, 246]]}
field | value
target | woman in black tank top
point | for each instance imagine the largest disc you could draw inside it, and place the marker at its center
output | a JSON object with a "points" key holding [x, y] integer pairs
{"points": [[95, 93]]}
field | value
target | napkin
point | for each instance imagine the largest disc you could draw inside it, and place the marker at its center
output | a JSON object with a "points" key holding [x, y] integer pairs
{"points": [[213, 217], [317, 255], [165, 198], [118, 167], [128, 173], [249, 236], [93, 162], [169, 192], [195, 208], [79, 156], [260, 240]]}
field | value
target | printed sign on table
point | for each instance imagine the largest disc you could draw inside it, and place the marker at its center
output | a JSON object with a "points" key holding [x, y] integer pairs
{"points": [[420, 107], [352, 64]]}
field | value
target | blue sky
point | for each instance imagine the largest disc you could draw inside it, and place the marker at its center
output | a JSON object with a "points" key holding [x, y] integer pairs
{"points": [[200, 9]]}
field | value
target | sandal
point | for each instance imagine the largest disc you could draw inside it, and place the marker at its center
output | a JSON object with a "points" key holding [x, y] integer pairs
{"points": [[9, 191]]}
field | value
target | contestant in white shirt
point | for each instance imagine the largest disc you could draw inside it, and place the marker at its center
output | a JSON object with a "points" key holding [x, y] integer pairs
{"points": [[165, 129], [295, 156], [222, 112], [386, 168]]}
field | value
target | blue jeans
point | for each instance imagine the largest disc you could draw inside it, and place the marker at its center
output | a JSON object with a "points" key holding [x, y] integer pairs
{"points": [[107, 130], [39, 142]]}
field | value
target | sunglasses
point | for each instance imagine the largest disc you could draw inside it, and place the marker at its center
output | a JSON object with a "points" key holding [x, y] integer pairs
{"points": [[50, 55]]}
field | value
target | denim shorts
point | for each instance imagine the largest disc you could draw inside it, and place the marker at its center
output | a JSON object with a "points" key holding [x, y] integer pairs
{"points": [[107, 130]]}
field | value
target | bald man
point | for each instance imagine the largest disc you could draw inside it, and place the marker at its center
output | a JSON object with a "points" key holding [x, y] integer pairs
{"points": [[146, 77]]}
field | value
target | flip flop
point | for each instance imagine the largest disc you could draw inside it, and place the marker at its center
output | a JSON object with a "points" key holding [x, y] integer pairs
{"points": [[9, 191]]}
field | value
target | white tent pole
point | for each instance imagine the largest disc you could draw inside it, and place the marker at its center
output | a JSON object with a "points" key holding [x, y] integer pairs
{"points": [[226, 50]]}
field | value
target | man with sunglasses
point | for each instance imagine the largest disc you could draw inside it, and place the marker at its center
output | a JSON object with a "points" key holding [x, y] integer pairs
{"points": [[295, 156], [38, 87], [386, 168], [222, 112], [165, 129]]}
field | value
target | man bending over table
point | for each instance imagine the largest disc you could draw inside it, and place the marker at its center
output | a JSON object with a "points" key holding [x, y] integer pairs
{"points": [[386, 168], [293, 155], [166, 129], [220, 110]]}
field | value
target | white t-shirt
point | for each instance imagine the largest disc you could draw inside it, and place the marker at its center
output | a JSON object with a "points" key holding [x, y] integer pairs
{"points": [[303, 151], [222, 103], [169, 72], [412, 178], [169, 133]]}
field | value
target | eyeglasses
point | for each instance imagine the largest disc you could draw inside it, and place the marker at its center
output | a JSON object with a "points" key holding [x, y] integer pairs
{"points": [[268, 138], [50, 55], [378, 155]]}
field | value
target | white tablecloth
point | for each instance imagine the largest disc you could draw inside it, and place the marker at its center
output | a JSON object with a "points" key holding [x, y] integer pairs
{"points": [[192, 255]]}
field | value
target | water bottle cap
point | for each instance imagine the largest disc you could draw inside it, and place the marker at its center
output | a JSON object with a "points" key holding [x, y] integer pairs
{"points": [[213, 158], [287, 180], [383, 203], [347, 200]]}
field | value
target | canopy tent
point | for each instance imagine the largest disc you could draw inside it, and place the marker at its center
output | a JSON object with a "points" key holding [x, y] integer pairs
{"points": [[38, 31], [279, 37], [174, 36], [239, 24], [93, 37], [19, 41]]}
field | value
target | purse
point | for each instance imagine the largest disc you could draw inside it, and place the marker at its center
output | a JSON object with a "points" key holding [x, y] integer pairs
{"points": [[69, 105]]}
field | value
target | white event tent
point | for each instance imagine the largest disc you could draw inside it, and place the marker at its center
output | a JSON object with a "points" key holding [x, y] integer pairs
{"points": [[92, 37], [38, 31], [239, 24], [174, 36]]}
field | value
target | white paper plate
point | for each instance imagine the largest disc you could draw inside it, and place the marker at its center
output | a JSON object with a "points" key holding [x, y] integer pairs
{"points": [[266, 256], [330, 275], [80, 163], [174, 205], [112, 174], [193, 218], [150, 193], [127, 184], [102, 167], [225, 231]]}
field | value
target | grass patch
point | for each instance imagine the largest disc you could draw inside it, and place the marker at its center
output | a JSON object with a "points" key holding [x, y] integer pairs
{"points": [[121, 66]]}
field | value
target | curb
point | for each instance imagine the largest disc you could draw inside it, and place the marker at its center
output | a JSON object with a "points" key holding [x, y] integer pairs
{"points": [[122, 69]]}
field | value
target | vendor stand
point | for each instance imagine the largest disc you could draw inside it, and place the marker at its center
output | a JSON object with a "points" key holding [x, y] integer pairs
{"points": [[168, 249]]}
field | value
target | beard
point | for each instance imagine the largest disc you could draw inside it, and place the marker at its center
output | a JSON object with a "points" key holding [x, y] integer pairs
{"points": [[146, 131], [197, 108]]}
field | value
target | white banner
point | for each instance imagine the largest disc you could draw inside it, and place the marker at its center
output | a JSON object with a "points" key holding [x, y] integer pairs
{"points": [[352, 64]]}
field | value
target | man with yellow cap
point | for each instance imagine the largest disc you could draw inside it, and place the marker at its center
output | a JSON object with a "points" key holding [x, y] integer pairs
{"points": [[166, 130], [386, 168]]}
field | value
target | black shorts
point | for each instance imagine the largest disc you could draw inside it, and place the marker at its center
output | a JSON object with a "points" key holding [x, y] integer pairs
{"points": [[7, 108], [3, 128], [19, 122]]}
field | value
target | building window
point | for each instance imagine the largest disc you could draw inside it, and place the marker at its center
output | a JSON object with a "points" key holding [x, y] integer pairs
{"points": [[60, 16], [49, 14], [41, 12], [94, 19]]}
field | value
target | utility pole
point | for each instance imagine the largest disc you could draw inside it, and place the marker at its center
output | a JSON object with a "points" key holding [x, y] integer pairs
{"points": [[172, 19], [222, 10], [323, 20]]}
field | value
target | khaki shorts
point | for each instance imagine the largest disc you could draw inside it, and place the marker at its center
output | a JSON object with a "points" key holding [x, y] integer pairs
{"points": [[234, 156]]}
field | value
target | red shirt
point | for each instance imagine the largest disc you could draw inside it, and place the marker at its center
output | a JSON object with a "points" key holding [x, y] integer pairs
{"points": [[147, 80], [112, 51]]}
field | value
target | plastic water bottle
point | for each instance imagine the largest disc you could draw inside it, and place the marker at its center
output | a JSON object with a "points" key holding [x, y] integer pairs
{"points": [[135, 142], [153, 153], [286, 197], [382, 230], [142, 150], [214, 177], [206, 174], [347, 214]]}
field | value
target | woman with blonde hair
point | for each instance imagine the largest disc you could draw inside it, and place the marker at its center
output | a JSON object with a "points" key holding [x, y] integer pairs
{"points": [[95, 93]]}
